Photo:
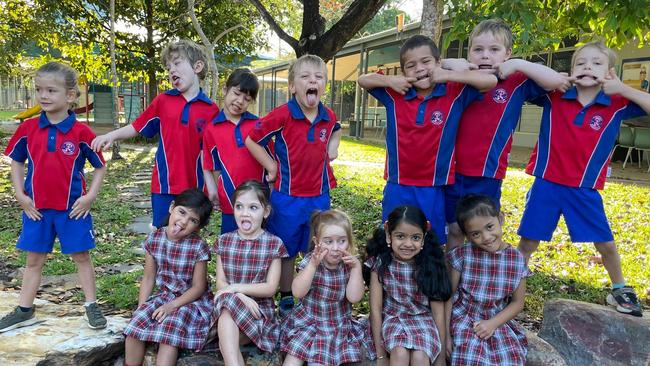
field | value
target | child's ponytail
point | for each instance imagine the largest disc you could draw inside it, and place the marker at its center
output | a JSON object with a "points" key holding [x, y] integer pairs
{"points": [[378, 248], [431, 276]]}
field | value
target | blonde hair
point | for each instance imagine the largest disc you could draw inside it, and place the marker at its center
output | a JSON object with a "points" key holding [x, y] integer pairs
{"points": [[497, 27], [306, 60], [330, 217], [600, 46], [68, 75], [187, 49]]}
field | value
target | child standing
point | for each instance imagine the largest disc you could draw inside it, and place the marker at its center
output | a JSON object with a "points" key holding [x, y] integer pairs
{"points": [[178, 116], [226, 160], [176, 262], [408, 288], [487, 125], [307, 137], [423, 108], [53, 196], [570, 162], [488, 278], [248, 272], [321, 329]]}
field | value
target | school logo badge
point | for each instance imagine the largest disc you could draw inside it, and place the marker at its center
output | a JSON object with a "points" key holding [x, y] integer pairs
{"points": [[258, 124], [200, 124], [596, 122], [437, 117], [500, 96], [322, 135], [68, 148]]}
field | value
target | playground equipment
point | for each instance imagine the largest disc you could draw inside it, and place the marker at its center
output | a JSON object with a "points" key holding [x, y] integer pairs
{"points": [[30, 112]]}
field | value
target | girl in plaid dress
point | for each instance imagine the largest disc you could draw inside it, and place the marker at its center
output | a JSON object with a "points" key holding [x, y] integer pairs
{"points": [[248, 273], [321, 329], [408, 287], [489, 280], [178, 314]]}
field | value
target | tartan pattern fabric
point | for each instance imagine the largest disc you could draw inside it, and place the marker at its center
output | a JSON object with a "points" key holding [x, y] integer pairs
{"points": [[487, 282], [248, 261], [188, 326], [321, 329], [407, 318]]}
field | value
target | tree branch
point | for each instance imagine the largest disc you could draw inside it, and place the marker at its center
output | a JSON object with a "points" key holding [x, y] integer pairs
{"points": [[274, 25]]}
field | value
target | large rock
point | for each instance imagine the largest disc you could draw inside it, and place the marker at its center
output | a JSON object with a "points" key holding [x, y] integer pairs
{"points": [[590, 334], [61, 337], [540, 353]]}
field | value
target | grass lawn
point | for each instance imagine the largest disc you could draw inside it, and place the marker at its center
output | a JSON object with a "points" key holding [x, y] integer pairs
{"points": [[561, 269], [8, 114]]}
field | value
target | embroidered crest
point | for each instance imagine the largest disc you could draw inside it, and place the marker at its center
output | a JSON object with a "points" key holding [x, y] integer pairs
{"points": [[596, 122], [500, 96], [437, 117], [322, 135], [200, 123], [258, 124], [68, 148]]}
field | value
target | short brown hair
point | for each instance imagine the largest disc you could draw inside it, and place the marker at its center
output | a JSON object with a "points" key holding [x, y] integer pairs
{"points": [[306, 60], [497, 27], [187, 49], [600, 46]]}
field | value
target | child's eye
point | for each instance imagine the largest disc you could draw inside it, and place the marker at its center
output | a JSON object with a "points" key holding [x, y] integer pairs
{"points": [[416, 238], [195, 221], [399, 236], [254, 208], [238, 206], [342, 241]]}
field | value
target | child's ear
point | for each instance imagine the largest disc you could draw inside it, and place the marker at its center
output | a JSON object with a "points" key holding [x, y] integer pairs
{"points": [[267, 211], [508, 53], [171, 207], [502, 218], [71, 96], [224, 91], [428, 226], [198, 66], [386, 231]]}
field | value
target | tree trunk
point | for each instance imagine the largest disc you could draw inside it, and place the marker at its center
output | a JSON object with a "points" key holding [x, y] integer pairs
{"points": [[151, 53], [116, 107], [431, 25]]}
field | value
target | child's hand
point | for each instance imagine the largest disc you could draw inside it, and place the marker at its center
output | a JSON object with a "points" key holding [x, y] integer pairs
{"points": [[350, 260], [251, 305], [439, 75], [458, 64], [383, 361], [27, 204], [226, 290], [214, 198], [271, 175], [81, 207], [161, 313], [401, 84], [318, 255], [505, 69], [484, 328], [611, 83], [567, 83], [102, 142]]}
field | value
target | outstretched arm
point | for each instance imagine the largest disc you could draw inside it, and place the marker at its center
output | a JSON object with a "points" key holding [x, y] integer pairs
{"points": [[545, 77], [613, 85], [104, 141], [480, 80], [399, 83]]}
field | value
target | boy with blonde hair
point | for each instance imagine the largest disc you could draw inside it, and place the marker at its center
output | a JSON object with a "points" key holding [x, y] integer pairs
{"points": [[306, 136], [178, 116]]}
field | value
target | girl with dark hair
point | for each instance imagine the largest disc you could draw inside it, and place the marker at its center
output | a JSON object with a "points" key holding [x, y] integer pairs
{"points": [[408, 287], [488, 277], [178, 315]]}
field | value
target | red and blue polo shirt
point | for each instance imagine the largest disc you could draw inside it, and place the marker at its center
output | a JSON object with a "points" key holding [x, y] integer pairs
{"points": [[56, 155], [421, 132], [224, 150], [575, 142], [180, 124], [486, 127], [300, 148]]}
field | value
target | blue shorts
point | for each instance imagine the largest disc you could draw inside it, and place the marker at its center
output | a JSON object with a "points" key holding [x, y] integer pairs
{"points": [[160, 203], [228, 223], [582, 209], [463, 185], [75, 235], [290, 219], [431, 200]]}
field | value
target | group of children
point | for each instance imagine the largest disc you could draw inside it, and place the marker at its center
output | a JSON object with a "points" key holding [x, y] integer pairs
{"points": [[449, 132]]}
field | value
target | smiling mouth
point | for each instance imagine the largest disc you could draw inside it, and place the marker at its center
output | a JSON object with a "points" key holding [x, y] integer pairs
{"points": [[422, 77]]}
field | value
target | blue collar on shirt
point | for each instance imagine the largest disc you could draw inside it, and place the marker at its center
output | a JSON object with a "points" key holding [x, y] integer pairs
{"points": [[63, 126], [297, 113], [601, 97], [185, 115], [439, 90], [221, 117]]}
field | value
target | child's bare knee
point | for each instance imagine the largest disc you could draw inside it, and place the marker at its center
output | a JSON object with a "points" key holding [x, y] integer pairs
{"points": [[81, 257], [607, 248]]}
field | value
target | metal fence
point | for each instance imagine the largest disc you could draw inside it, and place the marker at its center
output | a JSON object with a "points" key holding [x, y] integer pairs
{"points": [[16, 92]]}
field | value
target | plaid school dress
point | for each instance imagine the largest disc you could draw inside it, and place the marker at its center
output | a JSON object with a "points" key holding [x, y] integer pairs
{"points": [[321, 329], [248, 261], [487, 281], [407, 318], [188, 326]]}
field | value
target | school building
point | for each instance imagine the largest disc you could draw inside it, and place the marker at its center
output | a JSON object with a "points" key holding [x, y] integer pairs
{"points": [[366, 118]]}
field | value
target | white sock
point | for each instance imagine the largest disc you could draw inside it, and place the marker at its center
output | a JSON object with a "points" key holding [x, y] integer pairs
{"points": [[88, 303]]}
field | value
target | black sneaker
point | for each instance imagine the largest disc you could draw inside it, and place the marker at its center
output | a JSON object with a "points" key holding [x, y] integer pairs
{"points": [[625, 301], [94, 316], [17, 319], [285, 306]]}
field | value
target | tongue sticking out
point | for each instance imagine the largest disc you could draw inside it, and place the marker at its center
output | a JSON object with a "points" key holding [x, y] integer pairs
{"points": [[312, 99], [176, 229], [246, 225]]}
